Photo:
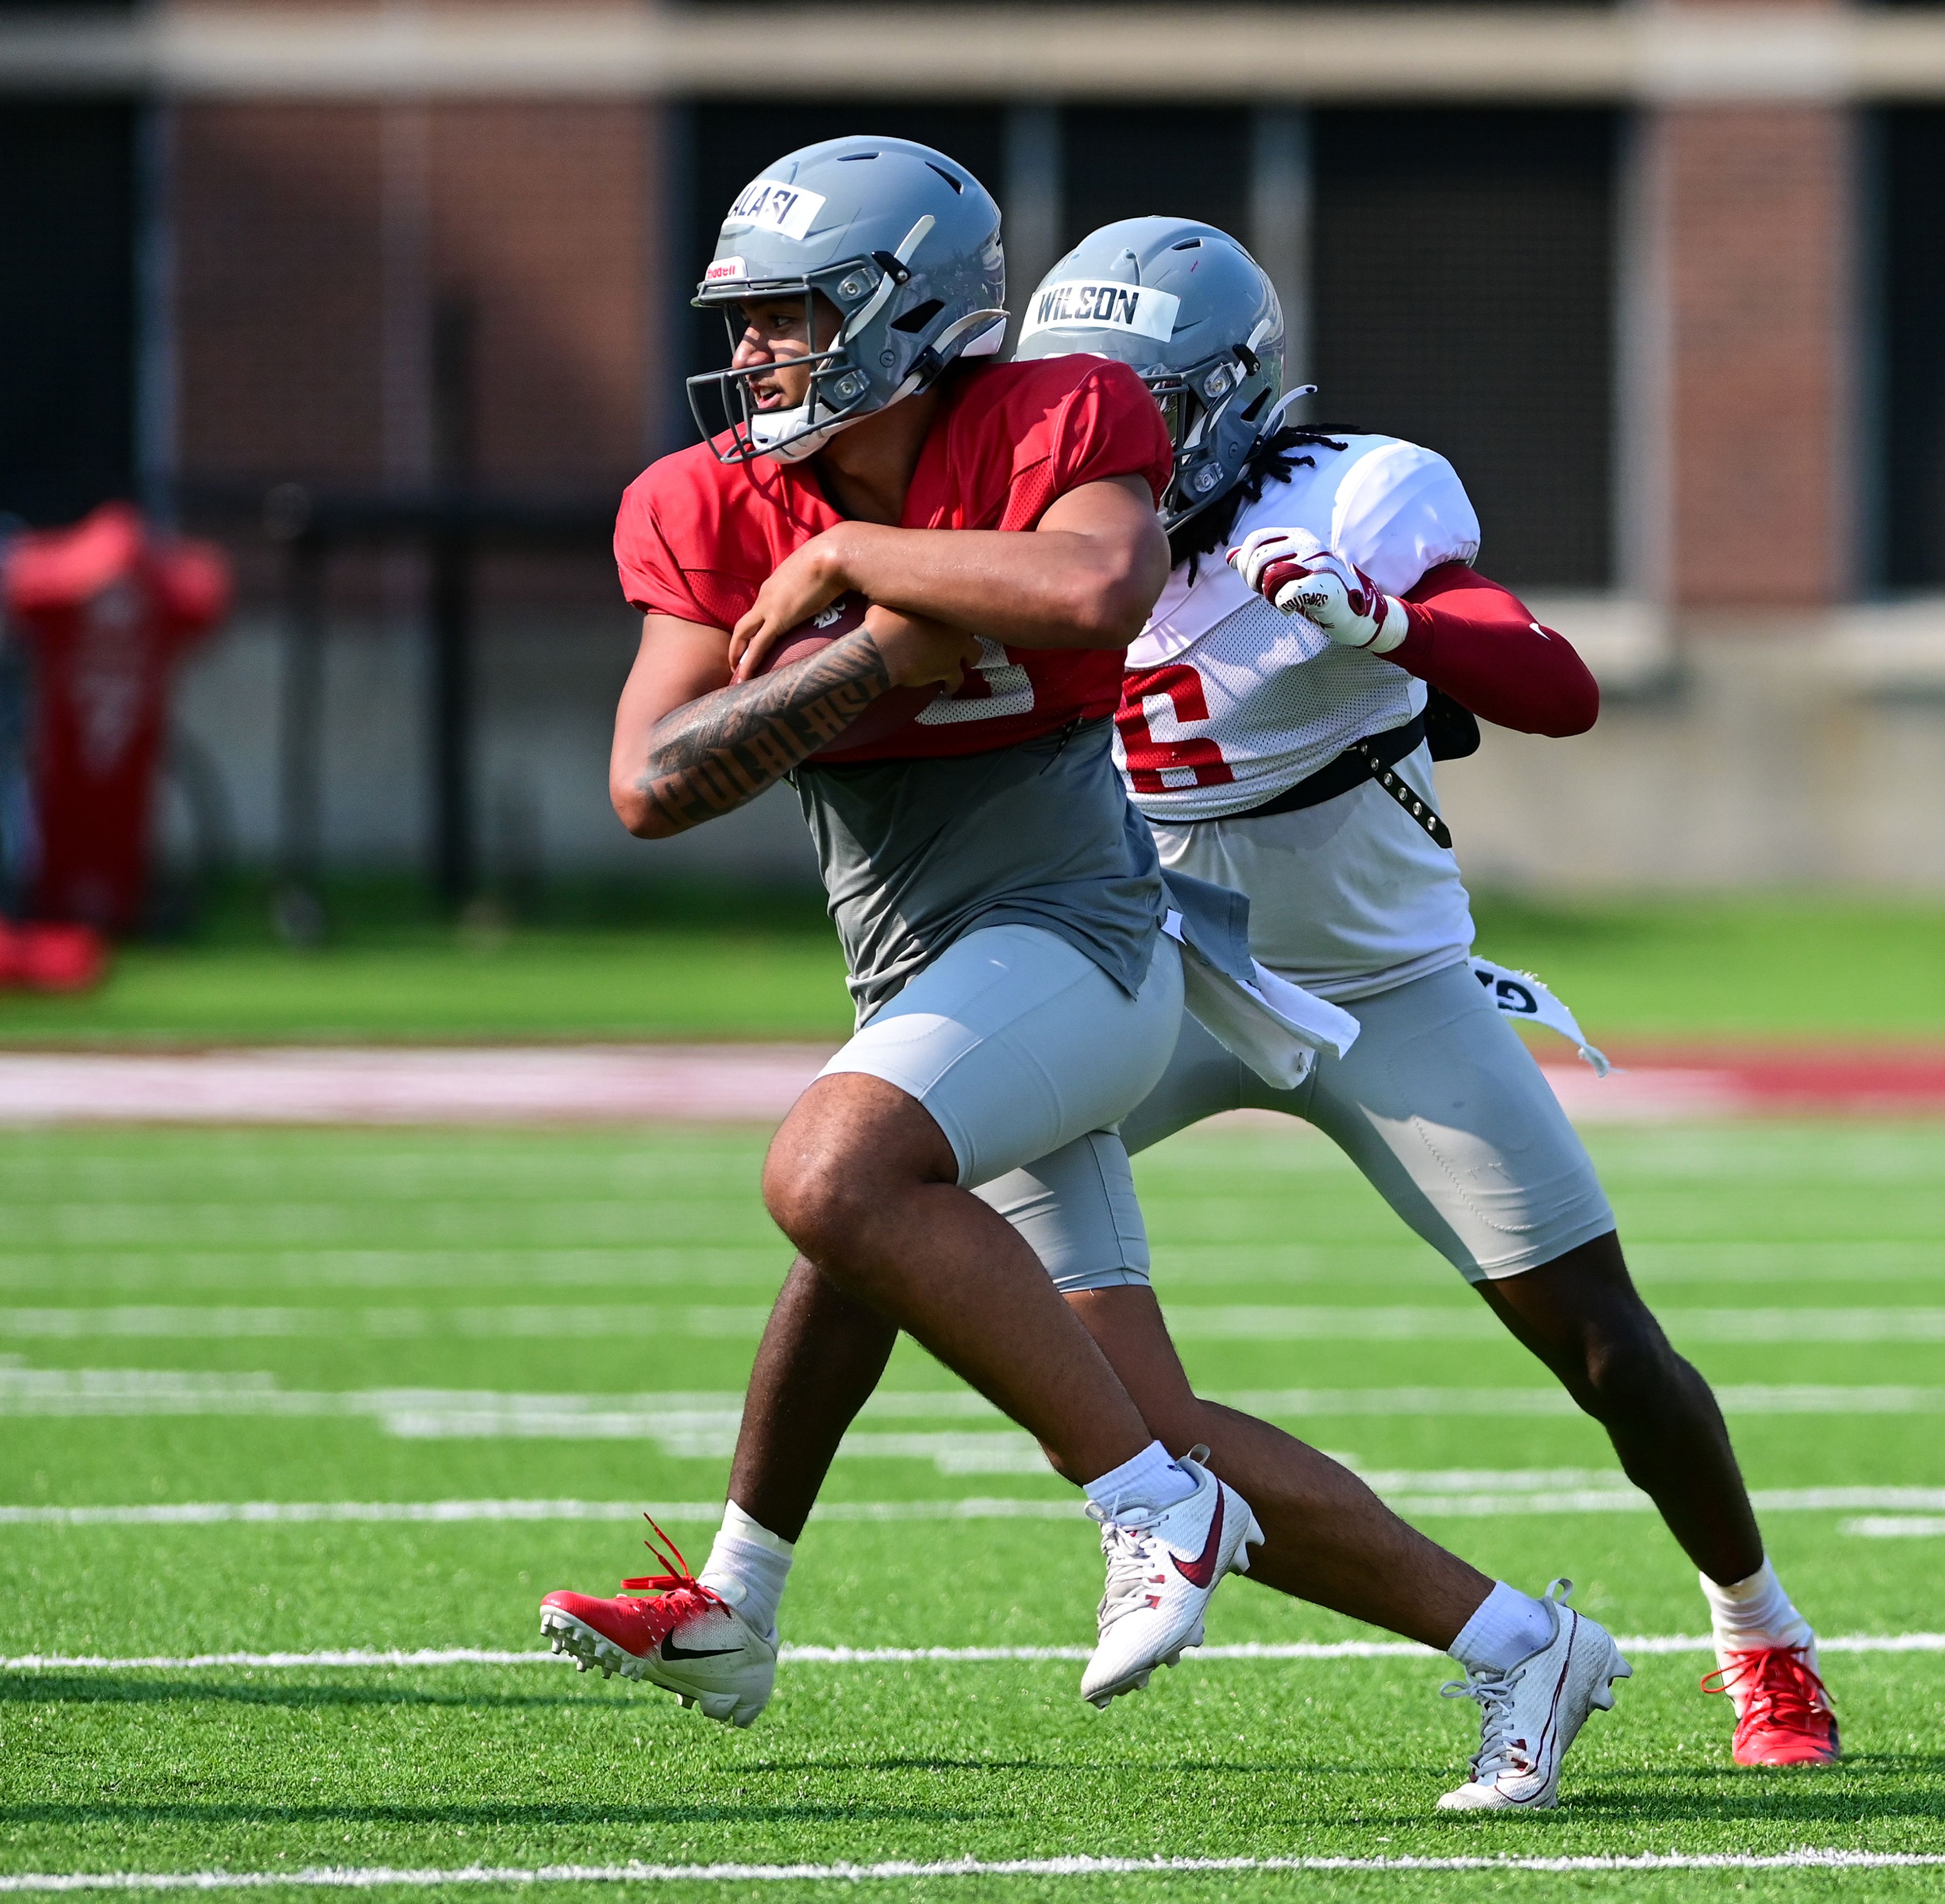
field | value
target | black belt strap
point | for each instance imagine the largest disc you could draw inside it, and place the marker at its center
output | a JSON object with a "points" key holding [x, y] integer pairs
{"points": [[1372, 758]]}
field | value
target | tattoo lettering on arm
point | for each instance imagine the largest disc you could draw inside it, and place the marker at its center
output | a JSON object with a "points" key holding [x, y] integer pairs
{"points": [[720, 752]]}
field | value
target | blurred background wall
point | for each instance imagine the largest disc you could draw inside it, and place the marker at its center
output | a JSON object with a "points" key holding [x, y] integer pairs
{"points": [[393, 299]]}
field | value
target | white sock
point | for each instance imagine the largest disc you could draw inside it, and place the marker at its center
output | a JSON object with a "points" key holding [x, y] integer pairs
{"points": [[1507, 1626], [1750, 1615], [1142, 1487], [749, 1566]]}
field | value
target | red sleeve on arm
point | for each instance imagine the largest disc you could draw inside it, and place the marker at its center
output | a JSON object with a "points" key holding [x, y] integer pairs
{"points": [[653, 520], [1106, 425], [1480, 644]]}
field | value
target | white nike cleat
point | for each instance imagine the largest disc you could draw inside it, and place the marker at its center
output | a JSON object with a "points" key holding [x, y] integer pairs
{"points": [[689, 1640], [1161, 1571], [1530, 1715]]}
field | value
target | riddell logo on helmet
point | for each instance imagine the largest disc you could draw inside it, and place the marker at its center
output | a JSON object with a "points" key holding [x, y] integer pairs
{"points": [[768, 204], [724, 271], [1106, 305]]}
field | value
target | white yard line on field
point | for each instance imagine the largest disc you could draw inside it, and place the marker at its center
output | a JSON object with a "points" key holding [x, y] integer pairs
{"points": [[1416, 1322], [71, 1393], [196, 1322], [1746, 1398], [1640, 1644], [203, 1514], [1190, 1321], [368, 1878], [1470, 1494], [241, 1250]]}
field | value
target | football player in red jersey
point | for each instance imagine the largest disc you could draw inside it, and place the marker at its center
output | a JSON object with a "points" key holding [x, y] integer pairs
{"points": [[1000, 905], [984, 883]]}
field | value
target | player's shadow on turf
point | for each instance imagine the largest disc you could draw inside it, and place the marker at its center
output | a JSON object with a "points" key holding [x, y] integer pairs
{"points": [[1054, 1762], [49, 1689], [776, 1766], [1859, 1791], [449, 1815]]}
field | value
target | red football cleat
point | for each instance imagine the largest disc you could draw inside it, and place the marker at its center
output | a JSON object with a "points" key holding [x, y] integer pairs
{"points": [[689, 1640], [1783, 1715]]}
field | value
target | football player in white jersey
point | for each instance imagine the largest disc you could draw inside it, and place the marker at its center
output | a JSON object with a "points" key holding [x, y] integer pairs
{"points": [[1322, 632]]}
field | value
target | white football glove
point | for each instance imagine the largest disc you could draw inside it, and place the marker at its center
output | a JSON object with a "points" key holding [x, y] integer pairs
{"points": [[1292, 570]]}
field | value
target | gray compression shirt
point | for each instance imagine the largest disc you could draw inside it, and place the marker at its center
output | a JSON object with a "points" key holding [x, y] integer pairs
{"points": [[916, 853]]}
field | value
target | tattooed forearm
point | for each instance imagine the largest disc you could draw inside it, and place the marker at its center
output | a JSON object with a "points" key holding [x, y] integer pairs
{"points": [[722, 751]]}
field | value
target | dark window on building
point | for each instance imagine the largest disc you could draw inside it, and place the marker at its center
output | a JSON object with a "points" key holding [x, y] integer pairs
{"points": [[1463, 295], [1125, 162], [1911, 304], [67, 308]]}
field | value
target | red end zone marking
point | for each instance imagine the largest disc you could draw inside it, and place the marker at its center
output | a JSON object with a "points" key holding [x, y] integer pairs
{"points": [[1704, 1082], [574, 1084], [1853, 1080], [758, 1083]]}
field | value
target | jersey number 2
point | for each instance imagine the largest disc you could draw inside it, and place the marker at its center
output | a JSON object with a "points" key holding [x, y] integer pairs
{"points": [[1196, 762]]}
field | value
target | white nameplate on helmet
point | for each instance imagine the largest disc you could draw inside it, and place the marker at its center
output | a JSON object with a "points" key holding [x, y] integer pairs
{"points": [[768, 204], [1097, 304], [726, 271]]}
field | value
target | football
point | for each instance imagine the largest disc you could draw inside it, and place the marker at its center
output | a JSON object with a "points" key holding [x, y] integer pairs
{"points": [[887, 714]]}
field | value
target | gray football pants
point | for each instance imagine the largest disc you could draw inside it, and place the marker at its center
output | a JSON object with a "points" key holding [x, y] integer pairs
{"points": [[1438, 1103]]}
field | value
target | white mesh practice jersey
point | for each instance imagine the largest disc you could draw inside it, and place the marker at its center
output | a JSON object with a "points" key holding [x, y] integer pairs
{"points": [[1227, 700]]}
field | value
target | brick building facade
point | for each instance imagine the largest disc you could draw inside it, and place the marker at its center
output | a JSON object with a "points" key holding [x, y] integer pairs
{"points": [[1663, 299]]}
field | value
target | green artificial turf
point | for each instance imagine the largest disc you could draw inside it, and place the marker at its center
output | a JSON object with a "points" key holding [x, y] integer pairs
{"points": [[700, 962], [608, 962], [1723, 967], [396, 1280]]}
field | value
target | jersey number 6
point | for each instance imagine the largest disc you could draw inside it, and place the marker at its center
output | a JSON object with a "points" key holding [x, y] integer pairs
{"points": [[1160, 766]]}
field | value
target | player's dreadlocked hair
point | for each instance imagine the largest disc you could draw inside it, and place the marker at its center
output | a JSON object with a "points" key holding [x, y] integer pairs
{"points": [[1270, 461]]}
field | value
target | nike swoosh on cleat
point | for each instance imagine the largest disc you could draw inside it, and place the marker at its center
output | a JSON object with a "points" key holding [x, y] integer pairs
{"points": [[1200, 1572], [671, 1651]]}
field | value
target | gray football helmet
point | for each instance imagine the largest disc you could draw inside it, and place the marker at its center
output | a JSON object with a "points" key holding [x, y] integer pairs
{"points": [[903, 242], [1189, 308]]}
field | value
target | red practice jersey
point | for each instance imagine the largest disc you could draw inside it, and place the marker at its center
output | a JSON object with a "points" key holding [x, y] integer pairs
{"points": [[696, 538]]}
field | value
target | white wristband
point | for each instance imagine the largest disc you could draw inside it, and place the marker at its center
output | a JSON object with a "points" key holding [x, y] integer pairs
{"points": [[1392, 630]]}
